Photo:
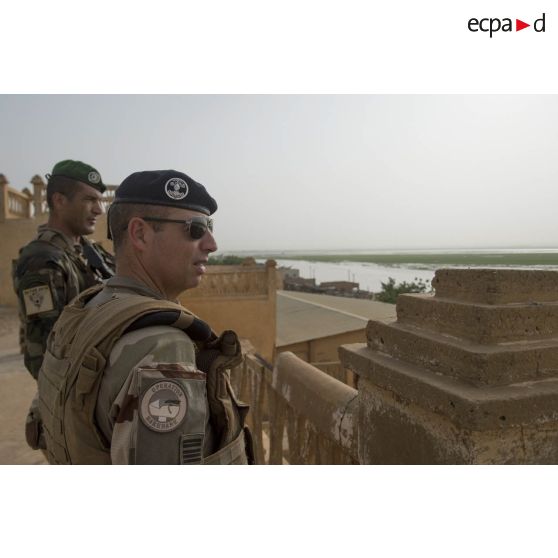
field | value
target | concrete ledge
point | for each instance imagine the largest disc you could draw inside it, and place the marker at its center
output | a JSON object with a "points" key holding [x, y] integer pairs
{"points": [[489, 365], [464, 405], [480, 323], [496, 286], [328, 404]]}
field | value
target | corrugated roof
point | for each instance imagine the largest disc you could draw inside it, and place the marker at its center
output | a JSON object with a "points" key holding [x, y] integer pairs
{"points": [[305, 316]]}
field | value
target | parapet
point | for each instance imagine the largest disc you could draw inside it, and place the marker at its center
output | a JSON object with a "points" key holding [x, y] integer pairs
{"points": [[468, 375]]}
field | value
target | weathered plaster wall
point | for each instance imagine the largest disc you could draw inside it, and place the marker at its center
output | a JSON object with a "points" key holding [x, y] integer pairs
{"points": [[469, 375], [250, 319], [323, 349], [241, 298]]}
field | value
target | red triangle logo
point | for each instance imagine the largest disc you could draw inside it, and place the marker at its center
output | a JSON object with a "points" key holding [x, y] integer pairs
{"points": [[519, 25]]}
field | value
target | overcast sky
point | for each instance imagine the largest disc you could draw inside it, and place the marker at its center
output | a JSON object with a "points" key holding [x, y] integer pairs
{"points": [[318, 172]]}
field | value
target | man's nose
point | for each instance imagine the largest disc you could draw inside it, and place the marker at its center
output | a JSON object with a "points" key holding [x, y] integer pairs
{"points": [[97, 208], [208, 243]]}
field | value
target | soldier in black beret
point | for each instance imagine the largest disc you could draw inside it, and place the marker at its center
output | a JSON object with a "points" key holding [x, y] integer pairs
{"points": [[150, 379], [59, 263]]}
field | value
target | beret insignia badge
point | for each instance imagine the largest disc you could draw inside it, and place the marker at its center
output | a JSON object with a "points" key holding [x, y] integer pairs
{"points": [[176, 188], [94, 177], [163, 406]]}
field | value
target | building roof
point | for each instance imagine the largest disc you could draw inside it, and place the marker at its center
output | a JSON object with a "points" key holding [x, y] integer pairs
{"points": [[305, 316]]}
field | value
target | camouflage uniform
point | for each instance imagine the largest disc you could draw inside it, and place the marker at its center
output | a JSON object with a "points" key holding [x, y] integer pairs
{"points": [[116, 412], [137, 395], [49, 272]]}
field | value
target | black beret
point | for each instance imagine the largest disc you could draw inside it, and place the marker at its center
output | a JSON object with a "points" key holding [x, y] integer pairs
{"points": [[82, 172], [165, 187]]}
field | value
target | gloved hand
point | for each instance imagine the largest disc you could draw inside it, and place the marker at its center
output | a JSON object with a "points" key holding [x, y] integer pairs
{"points": [[227, 412]]}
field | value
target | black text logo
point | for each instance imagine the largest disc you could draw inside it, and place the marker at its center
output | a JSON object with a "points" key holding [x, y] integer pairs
{"points": [[493, 25]]}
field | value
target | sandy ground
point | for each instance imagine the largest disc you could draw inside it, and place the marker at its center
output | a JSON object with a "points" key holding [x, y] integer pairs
{"points": [[17, 388]]}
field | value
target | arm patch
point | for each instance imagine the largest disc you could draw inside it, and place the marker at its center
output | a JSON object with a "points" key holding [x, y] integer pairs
{"points": [[37, 300]]}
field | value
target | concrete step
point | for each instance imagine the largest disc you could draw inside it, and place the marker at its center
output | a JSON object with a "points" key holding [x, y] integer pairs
{"points": [[502, 364], [496, 286], [480, 323]]}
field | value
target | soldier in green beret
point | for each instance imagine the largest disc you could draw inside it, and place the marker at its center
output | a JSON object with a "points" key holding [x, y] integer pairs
{"points": [[59, 263]]}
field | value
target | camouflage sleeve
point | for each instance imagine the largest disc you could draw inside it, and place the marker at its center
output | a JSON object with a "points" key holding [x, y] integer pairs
{"points": [[150, 384], [42, 294]]}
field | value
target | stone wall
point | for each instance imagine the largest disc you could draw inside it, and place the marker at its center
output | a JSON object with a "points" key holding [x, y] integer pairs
{"points": [[323, 349], [241, 298], [13, 203], [299, 415], [469, 375]]}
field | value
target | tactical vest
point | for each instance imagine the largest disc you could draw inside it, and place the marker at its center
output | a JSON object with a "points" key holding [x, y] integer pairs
{"points": [[80, 277], [77, 354], [85, 270], [39, 260], [81, 272]]}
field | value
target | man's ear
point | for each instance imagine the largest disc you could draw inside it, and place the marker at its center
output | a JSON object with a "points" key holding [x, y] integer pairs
{"points": [[139, 233]]}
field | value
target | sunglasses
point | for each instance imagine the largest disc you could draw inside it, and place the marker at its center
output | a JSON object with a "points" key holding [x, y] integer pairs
{"points": [[196, 226]]}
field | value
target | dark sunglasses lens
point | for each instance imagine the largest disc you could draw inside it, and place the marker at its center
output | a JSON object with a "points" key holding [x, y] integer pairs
{"points": [[197, 230], [198, 226]]}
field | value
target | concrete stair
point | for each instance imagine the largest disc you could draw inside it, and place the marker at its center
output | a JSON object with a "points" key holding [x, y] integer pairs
{"points": [[479, 364], [469, 375]]}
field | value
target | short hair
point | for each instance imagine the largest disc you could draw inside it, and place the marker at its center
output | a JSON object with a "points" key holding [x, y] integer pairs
{"points": [[119, 216], [61, 185]]}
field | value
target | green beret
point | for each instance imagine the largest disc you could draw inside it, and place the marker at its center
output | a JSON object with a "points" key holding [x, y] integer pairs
{"points": [[76, 170]]}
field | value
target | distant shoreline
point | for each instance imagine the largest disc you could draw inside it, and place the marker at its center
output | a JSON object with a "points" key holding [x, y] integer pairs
{"points": [[456, 258]]}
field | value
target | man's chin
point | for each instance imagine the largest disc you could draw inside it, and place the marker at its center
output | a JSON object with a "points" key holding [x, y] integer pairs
{"points": [[87, 229], [194, 282]]}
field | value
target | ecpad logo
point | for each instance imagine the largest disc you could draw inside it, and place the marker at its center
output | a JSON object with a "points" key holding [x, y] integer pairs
{"points": [[493, 25]]}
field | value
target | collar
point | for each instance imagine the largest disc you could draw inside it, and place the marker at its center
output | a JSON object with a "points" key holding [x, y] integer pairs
{"points": [[130, 284], [42, 229]]}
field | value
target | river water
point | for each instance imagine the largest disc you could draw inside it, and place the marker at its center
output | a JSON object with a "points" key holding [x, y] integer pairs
{"points": [[369, 276]]}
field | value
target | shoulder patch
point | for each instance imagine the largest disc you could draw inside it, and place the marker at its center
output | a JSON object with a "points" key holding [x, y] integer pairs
{"points": [[37, 300], [163, 406]]}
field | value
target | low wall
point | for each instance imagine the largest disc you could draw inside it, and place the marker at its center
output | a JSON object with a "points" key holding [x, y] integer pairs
{"points": [[323, 349], [241, 298], [298, 415]]}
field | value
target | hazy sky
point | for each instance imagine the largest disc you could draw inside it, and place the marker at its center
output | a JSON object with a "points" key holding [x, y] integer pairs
{"points": [[318, 172]]}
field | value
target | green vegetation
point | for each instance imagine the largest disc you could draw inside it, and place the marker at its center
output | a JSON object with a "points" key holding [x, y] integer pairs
{"points": [[390, 291], [225, 260], [480, 259]]}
